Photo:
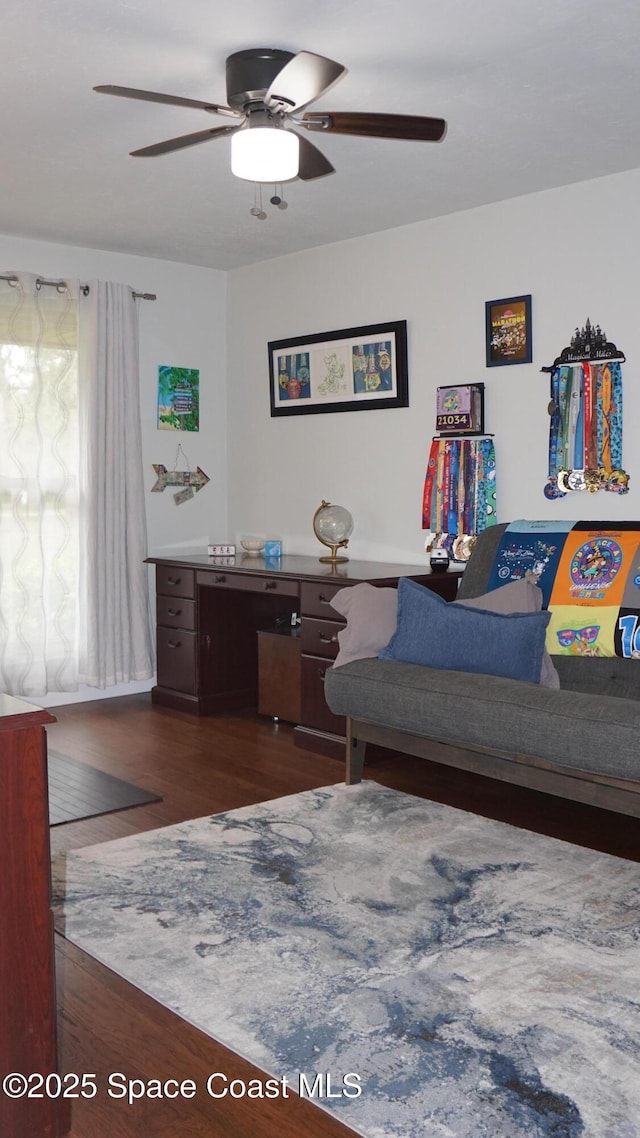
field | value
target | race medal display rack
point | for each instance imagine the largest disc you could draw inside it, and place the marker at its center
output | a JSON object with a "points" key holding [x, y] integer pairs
{"points": [[585, 409], [459, 496]]}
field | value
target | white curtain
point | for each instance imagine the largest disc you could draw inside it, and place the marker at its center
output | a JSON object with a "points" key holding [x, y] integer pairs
{"points": [[74, 604], [117, 641]]}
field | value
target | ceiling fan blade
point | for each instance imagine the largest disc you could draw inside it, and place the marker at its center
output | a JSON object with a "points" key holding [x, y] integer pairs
{"points": [[313, 163], [156, 97], [416, 128], [183, 141], [301, 80]]}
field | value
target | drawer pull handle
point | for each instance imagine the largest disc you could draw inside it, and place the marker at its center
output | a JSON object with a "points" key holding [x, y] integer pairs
{"points": [[173, 644], [323, 600], [271, 585], [321, 672], [174, 612], [173, 580], [327, 639], [220, 578]]}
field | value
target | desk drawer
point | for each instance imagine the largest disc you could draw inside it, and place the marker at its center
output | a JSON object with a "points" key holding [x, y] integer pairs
{"points": [[316, 599], [177, 657], [320, 637], [173, 581], [248, 582], [176, 612]]}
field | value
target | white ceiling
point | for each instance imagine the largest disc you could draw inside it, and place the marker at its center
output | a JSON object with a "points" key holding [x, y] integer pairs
{"points": [[536, 93]]}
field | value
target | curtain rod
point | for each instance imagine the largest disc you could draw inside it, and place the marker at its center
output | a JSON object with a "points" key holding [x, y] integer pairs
{"points": [[85, 288]]}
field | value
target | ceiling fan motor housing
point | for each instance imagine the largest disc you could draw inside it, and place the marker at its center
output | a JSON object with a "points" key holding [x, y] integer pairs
{"points": [[266, 86], [250, 73]]}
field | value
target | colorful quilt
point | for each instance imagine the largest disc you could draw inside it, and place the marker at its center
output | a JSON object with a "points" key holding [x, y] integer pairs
{"points": [[589, 573]]}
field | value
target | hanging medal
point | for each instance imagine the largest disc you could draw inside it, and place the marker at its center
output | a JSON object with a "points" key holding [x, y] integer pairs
{"points": [[552, 489], [432, 463]]}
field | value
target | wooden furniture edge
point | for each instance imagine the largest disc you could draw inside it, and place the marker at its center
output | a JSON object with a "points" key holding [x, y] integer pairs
{"points": [[28, 1022], [607, 793]]}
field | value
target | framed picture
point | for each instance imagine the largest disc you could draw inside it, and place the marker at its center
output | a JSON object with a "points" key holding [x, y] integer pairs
{"points": [[508, 331], [178, 398], [460, 409], [353, 369]]}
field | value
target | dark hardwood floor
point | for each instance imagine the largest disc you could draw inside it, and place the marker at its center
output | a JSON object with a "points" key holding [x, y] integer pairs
{"points": [[204, 766]]}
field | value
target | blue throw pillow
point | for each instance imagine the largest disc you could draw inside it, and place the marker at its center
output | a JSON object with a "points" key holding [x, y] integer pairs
{"points": [[443, 634]]}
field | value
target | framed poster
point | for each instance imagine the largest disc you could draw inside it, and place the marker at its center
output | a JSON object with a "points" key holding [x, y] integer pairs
{"points": [[178, 398], [508, 331], [353, 369]]}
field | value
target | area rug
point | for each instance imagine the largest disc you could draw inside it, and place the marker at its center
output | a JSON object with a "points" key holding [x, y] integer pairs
{"points": [[467, 978], [77, 790]]}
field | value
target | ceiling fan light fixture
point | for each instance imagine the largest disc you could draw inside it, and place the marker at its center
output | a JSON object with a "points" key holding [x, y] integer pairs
{"points": [[265, 154]]}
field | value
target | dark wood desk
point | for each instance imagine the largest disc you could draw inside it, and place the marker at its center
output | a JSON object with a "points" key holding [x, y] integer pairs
{"points": [[27, 970], [208, 614]]}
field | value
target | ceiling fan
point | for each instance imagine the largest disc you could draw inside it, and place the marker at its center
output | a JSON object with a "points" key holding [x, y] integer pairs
{"points": [[266, 90]]}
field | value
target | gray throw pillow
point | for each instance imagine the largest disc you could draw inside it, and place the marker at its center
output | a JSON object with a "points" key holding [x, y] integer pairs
{"points": [[371, 614]]}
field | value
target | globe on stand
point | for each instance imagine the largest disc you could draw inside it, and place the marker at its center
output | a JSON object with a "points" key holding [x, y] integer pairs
{"points": [[333, 526]]}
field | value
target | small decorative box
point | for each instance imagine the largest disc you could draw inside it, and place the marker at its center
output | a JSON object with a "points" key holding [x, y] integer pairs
{"points": [[221, 550], [273, 548]]}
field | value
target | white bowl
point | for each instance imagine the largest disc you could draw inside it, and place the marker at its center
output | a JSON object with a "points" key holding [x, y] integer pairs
{"points": [[252, 545]]}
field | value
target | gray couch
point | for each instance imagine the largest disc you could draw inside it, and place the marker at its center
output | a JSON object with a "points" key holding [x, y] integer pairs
{"points": [[580, 742]]}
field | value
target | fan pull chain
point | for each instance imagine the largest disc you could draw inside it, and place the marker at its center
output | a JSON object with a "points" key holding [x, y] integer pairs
{"points": [[257, 210], [276, 199]]}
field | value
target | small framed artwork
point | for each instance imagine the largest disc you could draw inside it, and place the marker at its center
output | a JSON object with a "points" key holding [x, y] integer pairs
{"points": [[178, 398], [508, 331], [352, 369], [460, 409]]}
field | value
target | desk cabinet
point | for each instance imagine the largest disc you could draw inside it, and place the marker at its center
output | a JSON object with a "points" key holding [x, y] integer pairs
{"points": [[208, 617]]}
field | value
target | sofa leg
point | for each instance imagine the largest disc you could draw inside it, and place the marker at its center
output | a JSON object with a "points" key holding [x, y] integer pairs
{"points": [[355, 756]]}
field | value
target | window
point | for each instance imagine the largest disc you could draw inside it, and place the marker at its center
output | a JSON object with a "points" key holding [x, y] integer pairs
{"points": [[39, 489], [74, 604]]}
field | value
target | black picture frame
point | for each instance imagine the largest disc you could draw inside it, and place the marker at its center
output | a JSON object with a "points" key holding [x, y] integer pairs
{"points": [[351, 369], [508, 331]]}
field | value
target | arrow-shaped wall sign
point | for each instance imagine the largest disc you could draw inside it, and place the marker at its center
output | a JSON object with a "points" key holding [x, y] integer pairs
{"points": [[165, 478], [191, 481]]}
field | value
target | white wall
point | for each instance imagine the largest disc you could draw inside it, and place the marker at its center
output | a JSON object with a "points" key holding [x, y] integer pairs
{"points": [[575, 249], [184, 326]]}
